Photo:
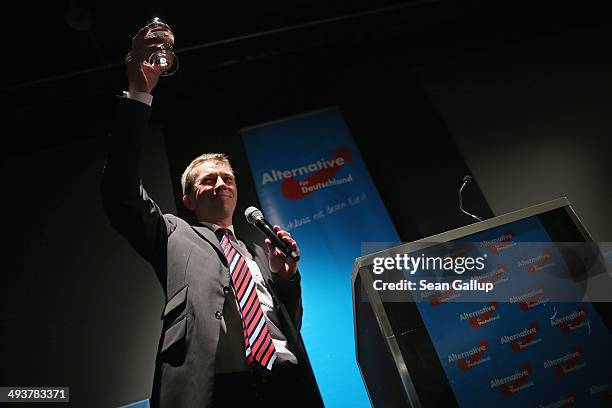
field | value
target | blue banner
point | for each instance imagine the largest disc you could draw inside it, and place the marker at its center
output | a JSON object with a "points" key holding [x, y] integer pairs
{"points": [[311, 180]]}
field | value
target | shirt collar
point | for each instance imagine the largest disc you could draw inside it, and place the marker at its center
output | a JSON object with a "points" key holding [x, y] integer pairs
{"points": [[215, 227]]}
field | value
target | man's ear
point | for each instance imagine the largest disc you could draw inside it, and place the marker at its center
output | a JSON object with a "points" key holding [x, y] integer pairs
{"points": [[188, 202]]}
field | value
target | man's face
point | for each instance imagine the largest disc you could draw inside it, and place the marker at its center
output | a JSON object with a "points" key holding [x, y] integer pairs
{"points": [[214, 194]]}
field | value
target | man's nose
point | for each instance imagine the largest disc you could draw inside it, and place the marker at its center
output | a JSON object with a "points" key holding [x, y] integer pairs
{"points": [[220, 183]]}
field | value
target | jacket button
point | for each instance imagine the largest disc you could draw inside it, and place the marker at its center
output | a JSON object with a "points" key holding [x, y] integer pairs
{"points": [[218, 315], [226, 290]]}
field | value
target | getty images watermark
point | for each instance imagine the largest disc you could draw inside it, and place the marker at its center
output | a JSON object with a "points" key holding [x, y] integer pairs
{"points": [[410, 265], [525, 273]]}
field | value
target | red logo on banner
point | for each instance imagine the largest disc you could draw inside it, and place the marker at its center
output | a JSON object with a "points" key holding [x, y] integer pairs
{"points": [[567, 363], [499, 244], [565, 402], [294, 189], [500, 272], [540, 263], [468, 362], [520, 344], [486, 317], [534, 300], [496, 276], [515, 386], [571, 325], [562, 369]]}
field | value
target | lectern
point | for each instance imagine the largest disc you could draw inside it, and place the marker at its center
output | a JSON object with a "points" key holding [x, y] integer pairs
{"points": [[541, 337]]}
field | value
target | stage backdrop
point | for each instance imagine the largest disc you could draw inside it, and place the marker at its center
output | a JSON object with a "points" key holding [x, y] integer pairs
{"points": [[311, 180]]}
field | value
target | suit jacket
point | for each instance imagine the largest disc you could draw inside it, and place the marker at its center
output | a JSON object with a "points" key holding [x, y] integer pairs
{"points": [[190, 266]]}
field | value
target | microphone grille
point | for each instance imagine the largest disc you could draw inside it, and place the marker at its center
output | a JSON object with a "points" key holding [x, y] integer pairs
{"points": [[467, 178], [252, 214]]}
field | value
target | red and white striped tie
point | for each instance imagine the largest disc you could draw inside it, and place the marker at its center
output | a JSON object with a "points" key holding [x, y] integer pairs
{"points": [[257, 339]]}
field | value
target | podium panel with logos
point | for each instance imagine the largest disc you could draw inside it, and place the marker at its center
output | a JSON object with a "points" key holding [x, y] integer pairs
{"points": [[540, 337]]}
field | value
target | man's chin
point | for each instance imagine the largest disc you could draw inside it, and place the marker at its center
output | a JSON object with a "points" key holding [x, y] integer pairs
{"points": [[215, 217], [224, 209]]}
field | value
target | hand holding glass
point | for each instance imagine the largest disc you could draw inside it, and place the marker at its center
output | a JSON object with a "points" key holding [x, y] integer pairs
{"points": [[164, 60]]}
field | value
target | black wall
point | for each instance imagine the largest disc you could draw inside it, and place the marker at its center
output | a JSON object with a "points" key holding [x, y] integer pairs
{"points": [[534, 121], [79, 307]]}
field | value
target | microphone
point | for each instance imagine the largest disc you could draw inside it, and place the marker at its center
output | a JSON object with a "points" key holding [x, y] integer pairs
{"points": [[256, 218], [466, 180]]}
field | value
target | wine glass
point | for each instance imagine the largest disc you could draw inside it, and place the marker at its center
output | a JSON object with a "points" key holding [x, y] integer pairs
{"points": [[164, 60]]}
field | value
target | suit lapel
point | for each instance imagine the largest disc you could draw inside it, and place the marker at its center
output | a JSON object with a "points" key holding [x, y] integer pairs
{"points": [[208, 235]]}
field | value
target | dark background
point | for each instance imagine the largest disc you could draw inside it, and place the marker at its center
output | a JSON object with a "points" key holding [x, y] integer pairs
{"points": [[516, 94]]}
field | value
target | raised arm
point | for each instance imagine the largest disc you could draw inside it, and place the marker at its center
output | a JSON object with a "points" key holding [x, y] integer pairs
{"points": [[131, 211]]}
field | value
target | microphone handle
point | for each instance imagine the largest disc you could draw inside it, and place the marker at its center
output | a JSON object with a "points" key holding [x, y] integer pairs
{"points": [[269, 232]]}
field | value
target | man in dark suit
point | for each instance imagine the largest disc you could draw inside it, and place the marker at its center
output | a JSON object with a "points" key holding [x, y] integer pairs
{"points": [[231, 321]]}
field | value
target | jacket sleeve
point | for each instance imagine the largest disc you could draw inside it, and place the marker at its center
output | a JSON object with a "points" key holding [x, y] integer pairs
{"points": [[129, 208]]}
